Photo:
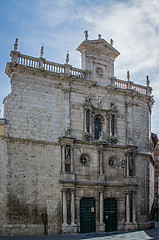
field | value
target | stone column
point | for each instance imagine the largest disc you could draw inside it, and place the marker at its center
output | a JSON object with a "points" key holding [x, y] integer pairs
{"points": [[85, 121], [101, 206], [72, 159], [127, 208], [115, 125], [63, 158], [72, 208], [101, 211], [127, 165], [100, 161], [110, 125], [90, 123], [64, 208], [134, 207]]}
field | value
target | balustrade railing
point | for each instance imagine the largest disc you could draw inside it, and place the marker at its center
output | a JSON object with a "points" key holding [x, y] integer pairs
{"points": [[53, 67], [77, 72], [130, 85], [28, 61], [43, 64]]}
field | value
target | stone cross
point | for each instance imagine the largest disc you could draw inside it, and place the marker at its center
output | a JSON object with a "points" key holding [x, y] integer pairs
{"points": [[86, 35], [16, 44]]}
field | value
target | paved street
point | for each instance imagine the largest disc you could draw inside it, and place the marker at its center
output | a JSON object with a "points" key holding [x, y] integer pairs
{"points": [[138, 235]]}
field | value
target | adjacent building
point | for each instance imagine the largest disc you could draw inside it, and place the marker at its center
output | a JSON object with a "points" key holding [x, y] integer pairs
{"points": [[74, 146], [155, 154]]}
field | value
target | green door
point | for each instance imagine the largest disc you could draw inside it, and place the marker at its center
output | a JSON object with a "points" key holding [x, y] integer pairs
{"points": [[87, 215], [110, 214]]}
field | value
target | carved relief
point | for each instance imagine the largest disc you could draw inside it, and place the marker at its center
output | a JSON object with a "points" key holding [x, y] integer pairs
{"points": [[85, 159], [99, 72], [112, 161]]}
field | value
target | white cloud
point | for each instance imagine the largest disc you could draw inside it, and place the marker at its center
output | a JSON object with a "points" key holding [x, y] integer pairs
{"points": [[134, 26]]}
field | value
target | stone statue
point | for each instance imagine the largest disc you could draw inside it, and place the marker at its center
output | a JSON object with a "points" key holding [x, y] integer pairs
{"points": [[102, 136], [88, 99], [67, 132], [99, 102], [112, 105]]}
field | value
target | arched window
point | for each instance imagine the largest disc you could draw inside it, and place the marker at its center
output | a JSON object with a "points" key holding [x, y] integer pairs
{"points": [[97, 128]]}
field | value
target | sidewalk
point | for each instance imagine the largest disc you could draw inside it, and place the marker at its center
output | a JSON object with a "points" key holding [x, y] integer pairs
{"points": [[137, 235]]}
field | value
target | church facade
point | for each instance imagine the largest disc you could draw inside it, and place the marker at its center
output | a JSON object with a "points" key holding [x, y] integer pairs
{"points": [[74, 146]]}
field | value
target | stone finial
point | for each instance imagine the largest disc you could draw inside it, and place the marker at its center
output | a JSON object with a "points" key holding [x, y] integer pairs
{"points": [[67, 58], [128, 75], [16, 45], [111, 42], [99, 36], [86, 35], [42, 52], [147, 81]]}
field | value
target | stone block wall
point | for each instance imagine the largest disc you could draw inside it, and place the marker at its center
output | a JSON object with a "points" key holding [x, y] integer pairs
{"points": [[33, 189], [33, 109]]}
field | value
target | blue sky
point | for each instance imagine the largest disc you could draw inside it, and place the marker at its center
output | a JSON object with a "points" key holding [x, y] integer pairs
{"points": [[59, 26]]}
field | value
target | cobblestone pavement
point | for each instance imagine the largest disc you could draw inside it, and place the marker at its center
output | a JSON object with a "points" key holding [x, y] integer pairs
{"points": [[137, 235]]}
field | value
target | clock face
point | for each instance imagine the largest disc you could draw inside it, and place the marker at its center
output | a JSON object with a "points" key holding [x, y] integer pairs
{"points": [[99, 71]]}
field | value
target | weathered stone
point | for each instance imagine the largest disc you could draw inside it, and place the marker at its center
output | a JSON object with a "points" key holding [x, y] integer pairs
{"points": [[74, 134]]}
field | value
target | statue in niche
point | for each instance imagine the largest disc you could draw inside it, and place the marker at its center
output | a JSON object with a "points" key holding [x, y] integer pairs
{"points": [[88, 99], [67, 158], [100, 102], [102, 136], [131, 164], [112, 105], [130, 141], [67, 132]]}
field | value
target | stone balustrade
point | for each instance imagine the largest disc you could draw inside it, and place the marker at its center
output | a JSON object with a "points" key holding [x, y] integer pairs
{"points": [[42, 63], [146, 90]]}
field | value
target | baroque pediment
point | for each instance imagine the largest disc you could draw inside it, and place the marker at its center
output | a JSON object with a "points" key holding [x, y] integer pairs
{"points": [[99, 46]]}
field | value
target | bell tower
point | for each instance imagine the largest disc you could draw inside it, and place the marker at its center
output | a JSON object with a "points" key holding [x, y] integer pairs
{"points": [[98, 56]]}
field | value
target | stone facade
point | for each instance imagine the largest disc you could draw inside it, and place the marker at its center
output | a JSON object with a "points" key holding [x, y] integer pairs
{"points": [[155, 154], [74, 146]]}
